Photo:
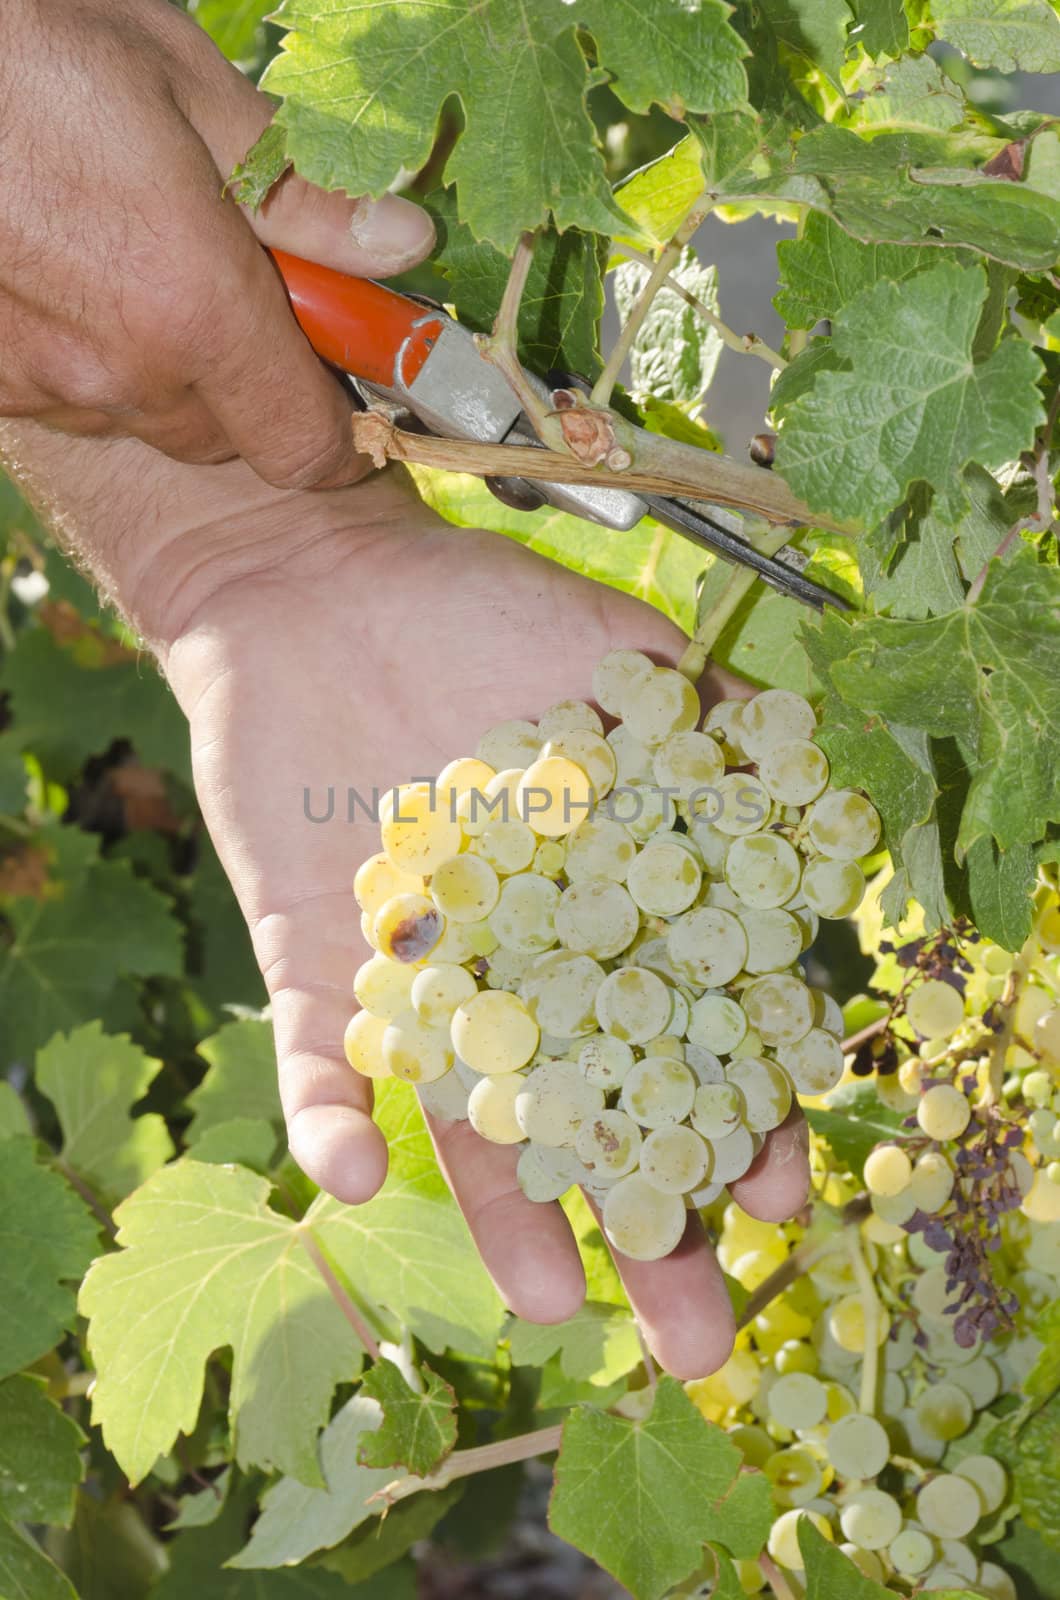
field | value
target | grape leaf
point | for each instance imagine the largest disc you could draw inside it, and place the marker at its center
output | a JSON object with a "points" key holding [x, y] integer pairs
{"points": [[911, 93], [223, 963], [908, 564], [816, 30], [25, 1571], [67, 706], [14, 1118], [375, 1544], [47, 1238], [418, 1430], [640, 1497], [40, 1454], [296, 1520], [237, 29], [854, 1121], [248, 1141], [241, 1082], [913, 403], [660, 195], [205, 1263], [71, 946], [93, 1080], [110, 1551], [599, 1343], [999, 697], [559, 313], [1029, 1561], [824, 269], [1009, 35], [1043, 1380], [649, 561], [1030, 1449], [830, 1575], [882, 26], [676, 351], [351, 122]]}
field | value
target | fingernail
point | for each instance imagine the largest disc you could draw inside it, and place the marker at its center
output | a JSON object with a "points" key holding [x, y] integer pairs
{"points": [[395, 231]]}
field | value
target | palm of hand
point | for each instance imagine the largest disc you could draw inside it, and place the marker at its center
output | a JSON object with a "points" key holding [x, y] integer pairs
{"points": [[377, 654]]}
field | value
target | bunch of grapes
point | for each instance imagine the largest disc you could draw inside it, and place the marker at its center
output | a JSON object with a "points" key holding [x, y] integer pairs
{"points": [[587, 943]]}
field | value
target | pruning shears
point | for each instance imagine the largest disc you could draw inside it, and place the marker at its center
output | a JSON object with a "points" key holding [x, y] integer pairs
{"points": [[410, 356]]}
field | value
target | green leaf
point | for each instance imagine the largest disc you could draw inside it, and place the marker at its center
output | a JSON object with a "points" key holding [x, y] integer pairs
{"points": [[883, 28], [236, 29], [241, 1082], [110, 1551], [47, 1238], [824, 269], [14, 1118], [246, 1141], [676, 351], [72, 702], [71, 946], [205, 1263], [815, 30], [226, 972], [910, 93], [660, 195], [830, 1575], [418, 1428], [1000, 891], [351, 122], [559, 313], [1031, 1451], [25, 1571], [198, 1510], [376, 1543], [853, 1123], [1043, 1380], [13, 778], [1029, 1561], [296, 1520], [908, 564], [641, 1498], [40, 1454], [1009, 35], [649, 561], [913, 404], [93, 1080], [598, 1344]]}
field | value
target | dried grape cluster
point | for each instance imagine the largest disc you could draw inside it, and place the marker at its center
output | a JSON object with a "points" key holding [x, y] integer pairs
{"points": [[587, 944]]}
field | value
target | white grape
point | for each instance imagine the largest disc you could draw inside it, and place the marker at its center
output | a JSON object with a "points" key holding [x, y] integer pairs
{"points": [[552, 796], [454, 780], [592, 755], [615, 676], [794, 771], [780, 1008], [608, 1144], [658, 704], [465, 888], [828, 1014], [633, 1004], [783, 1543], [995, 1583], [833, 888], [943, 1112], [664, 879], [944, 1411], [658, 1090], [733, 1154], [632, 757], [599, 847], [766, 1090], [795, 1475], [1047, 1035], [858, 1446], [642, 1222], [949, 1506], [871, 1519], [494, 1032], [774, 939], [446, 1097], [718, 1022], [509, 744], [742, 805], [415, 1051], [934, 1009], [524, 916], [509, 847], [763, 869], [568, 716], [797, 1400], [379, 879], [844, 825], [554, 1101], [559, 990], [814, 1063], [687, 762], [718, 1110], [382, 986], [491, 1108], [643, 809], [606, 1061], [674, 1159], [912, 1551], [705, 1065], [407, 927], [417, 831], [772, 718], [363, 1044], [712, 844], [596, 917], [932, 1181], [888, 1170], [722, 722], [438, 990], [708, 946], [545, 1172], [989, 1477]]}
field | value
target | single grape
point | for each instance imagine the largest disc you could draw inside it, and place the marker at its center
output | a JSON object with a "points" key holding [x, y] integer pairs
{"points": [[437, 991], [780, 1008], [794, 771], [382, 987], [632, 757], [642, 1222], [656, 1091], [659, 704], [509, 847], [871, 1519], [733, 1154], [774, 939], [494, 1032], [608, 1144], [524, 916], [988, 1476], [559, 990], [833, 888], [491, 1108], [912, 1551], [664, 879], [509, 744], [591, 754], [718, 1110], [568, 716], [766, 1091], [858, 1446], [415, 1051], [407, 927], [722, 722], [643, 809], [944, 1411], [846, 1324], [934, 1009], [458, 777], [417, 832], [772, 718], [844, 825], [814, 1063], [717, 1022], [703, 1063], [552, 796], [795, 1475], [762, 869], [943, 1112], [465, 888], [742, 806], [599, 847], [545, 1172], [363, 1044], [378, 879], [674, 1159], [932, 1181], [1047, 1035], [445, 1098], [606, 1061], [797, 1401], [707, 946], [949, 1506], [633, 1004], [554, 1101], [888, 1170], [995, 1583], [783, 1543], [596, 917], [687, 762], [615, 676]]}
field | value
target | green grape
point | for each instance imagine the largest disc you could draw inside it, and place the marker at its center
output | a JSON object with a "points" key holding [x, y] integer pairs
{"points": [[415, 1051], [596, 917], [507, 968], [828, 1015], [1047, 928], [934, 1009], [932, 1181], [569, 716], [494, 1032], [674, 1159], [545, 1172], [664, 879], [949, 1506], [524, 916], [656, 1091], [774, 939], [608, 1145], [743, 805], [795, 1475], [704, 1063], [762, 869], [783, 1543], [989, 1477], [437, 991], [718, 1110], [416, 832], [642, 1222], [1047, 1035], [707, 946], [980, 1381], [599, 847], [797, 1400], [995, 1583], [467, 772], [456, 944], [591, 754], [943, 1112], [666, 1044], [606, 1061], [733, 1154], [717, 1022], [780, 1008], [445, 1098], [491, 1108], [552, 796], [559, 990], [633, 758], [794, 771], [550, 859], [795, 1356], [554, 1101], [382, 987], [407, 927], [633, 1004], [766, 1091], [833, 888], [911, 1551], [712, 844], [509, 744], [858, 1446], [509, 847], [866, 1561], [846, 1324], [643, 809], [843, 825], [615, 676], [1037, 1088], [688, 761], [871, 1519], [888, 1170], [772, 718], [363, 1044], [814, 1063], [660, 703], [378, 879], [465, 888], [722, 721]]}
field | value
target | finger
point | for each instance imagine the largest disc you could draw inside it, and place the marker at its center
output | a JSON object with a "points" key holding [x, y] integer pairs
{"points": [[777, 1183], [681, 1303], [527, 1247]]}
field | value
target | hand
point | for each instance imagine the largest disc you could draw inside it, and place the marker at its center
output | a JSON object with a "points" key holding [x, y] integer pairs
{"points": [[378, 646], [135, 298]]}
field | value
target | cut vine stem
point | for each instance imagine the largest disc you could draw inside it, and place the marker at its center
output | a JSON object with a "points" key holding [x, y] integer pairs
{"points": [[501, 347], [482, 1458]]}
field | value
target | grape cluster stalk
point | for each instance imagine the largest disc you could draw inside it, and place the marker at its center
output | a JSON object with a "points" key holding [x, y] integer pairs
{"points": [[587, 944]]}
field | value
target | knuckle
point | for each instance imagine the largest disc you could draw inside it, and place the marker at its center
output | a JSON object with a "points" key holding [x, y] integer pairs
{"points": [[317, 465]]}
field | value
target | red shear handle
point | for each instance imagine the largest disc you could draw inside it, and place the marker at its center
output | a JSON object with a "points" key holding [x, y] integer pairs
{"points": [[358, 325]]}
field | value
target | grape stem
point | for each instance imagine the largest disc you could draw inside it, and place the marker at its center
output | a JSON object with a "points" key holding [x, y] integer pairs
{"points": [[747, 344], [712, 625], [781, 1587], [870, 1305], [1017, 977], [342, 1299], [501, 347], [482, 1458]]}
